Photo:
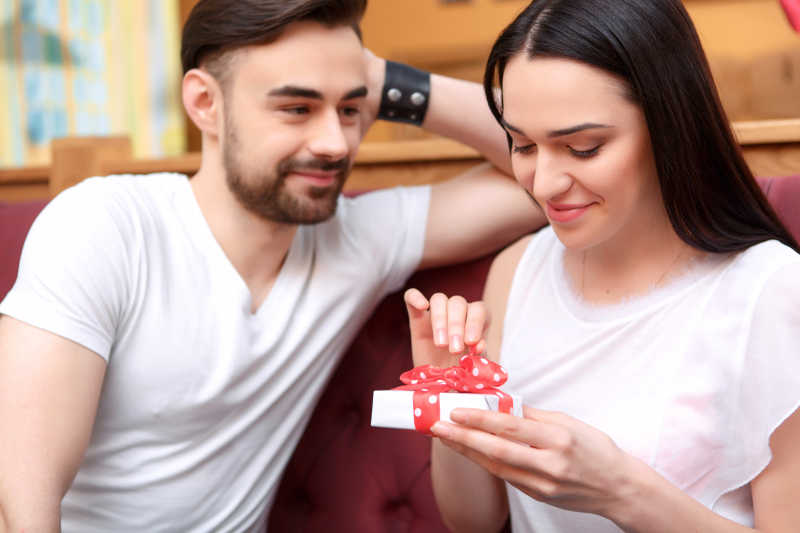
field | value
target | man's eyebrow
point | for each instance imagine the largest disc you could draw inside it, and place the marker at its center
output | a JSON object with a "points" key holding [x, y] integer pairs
{"points": [[359, 92], [293, 90], [561, 132], [304, 92]]}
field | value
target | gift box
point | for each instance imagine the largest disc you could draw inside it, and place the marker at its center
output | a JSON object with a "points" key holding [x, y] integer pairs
{"points": [[431, 393], [395, 408]]}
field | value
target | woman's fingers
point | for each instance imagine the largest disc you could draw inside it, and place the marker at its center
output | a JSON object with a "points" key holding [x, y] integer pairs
{"points": [[439, 319], [476, 324], [530, 432], [535, 483], [456, 320], [497, 454], [417, 307], [415, 300], [450, 322]]}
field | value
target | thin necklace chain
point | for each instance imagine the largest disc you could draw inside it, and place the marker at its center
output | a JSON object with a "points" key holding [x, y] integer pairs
{"points": [[658, 282]]}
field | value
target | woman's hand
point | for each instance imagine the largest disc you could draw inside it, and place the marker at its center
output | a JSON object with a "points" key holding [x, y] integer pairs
{"points": [[443, 328], [550, 456]]}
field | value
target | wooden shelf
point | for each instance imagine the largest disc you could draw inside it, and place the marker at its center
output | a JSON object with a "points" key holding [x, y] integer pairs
{"points": [[767, 131], [771, 148]]}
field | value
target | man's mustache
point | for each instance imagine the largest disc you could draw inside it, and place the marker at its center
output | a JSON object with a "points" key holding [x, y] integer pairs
{"points": [[294, 165]]}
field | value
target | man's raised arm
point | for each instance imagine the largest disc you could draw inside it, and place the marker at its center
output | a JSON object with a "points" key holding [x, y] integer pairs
{"points": [[454, 108], [480, 210]]}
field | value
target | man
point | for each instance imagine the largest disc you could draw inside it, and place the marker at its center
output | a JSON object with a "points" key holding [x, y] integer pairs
{"points": [[167, 338]]}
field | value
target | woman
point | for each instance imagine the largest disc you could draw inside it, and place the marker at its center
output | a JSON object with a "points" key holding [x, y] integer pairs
{"points": [[654, 326]]}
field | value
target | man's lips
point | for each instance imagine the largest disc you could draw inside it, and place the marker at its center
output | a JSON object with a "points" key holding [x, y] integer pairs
{"points": [[317, 177], [565, 212]]}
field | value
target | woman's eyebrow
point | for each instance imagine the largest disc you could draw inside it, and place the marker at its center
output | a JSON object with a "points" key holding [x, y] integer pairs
{"points": [[576, 129], [561, 132]]}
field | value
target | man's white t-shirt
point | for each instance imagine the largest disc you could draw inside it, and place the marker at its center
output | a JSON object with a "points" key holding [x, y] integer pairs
{"points": [[203, 401], [691, 378]]}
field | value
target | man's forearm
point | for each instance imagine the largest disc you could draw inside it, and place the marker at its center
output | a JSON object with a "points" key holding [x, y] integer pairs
{"points": [[458, 110]]}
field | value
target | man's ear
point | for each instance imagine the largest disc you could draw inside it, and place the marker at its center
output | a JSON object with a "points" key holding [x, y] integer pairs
{"points": [[202, 99]]}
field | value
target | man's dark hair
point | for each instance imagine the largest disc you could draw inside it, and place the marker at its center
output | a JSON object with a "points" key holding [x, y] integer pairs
{"points": [[215, 27], [710, 195]]}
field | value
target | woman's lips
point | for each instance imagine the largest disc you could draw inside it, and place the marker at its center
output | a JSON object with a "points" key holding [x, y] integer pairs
{"points": [[563, 213]]}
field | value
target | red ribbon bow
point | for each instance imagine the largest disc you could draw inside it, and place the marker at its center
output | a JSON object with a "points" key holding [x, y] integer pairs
{"points": [[474, 374], [792, 10]]}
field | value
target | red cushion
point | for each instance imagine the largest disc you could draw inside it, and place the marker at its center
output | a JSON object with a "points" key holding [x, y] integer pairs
{"points": [[784, 196], [346, 475], [15, 220]]}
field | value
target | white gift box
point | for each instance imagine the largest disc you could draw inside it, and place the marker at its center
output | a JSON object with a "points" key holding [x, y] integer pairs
{"points": [[395, 408]]}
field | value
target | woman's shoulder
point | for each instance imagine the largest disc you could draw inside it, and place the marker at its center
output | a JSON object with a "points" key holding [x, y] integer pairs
{"points": [[506, 262], [779, 287], [504, 269], [766, 264], [538, 244], [764, 279], [764, 254]]}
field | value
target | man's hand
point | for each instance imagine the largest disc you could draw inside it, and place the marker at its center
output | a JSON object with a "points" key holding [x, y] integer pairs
{"points": [[376, 73]]}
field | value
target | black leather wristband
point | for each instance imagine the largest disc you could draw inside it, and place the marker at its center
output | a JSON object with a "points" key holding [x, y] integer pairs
{"points": [[405, 94]]}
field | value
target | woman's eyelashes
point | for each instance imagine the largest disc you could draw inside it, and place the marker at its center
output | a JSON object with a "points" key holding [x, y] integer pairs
{"points": [[584, 153], [524, 149], [531, 147]]}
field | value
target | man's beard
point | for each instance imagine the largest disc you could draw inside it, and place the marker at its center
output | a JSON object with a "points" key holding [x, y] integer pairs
{"points": [[267, 196]]}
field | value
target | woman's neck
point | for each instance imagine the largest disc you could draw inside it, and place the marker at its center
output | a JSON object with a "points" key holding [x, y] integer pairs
{"points": [[630, 265]]}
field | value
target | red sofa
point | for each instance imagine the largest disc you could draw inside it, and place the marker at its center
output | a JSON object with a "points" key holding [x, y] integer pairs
{"points": [[345, 475]]}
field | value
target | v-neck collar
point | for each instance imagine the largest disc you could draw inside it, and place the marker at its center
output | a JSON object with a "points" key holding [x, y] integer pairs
{"points": [[289, 281]]}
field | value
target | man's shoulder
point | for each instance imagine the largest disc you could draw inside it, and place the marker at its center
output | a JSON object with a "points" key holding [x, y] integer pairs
{"points": [[110, 207], [372, 209], [130, 185], [121, 194]]}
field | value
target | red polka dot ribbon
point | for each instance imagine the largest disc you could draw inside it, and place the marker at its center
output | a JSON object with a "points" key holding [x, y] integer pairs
{"points": [[473, 374], [792, 10]]}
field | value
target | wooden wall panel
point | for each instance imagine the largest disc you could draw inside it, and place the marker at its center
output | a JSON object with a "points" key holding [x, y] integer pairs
{"points": [[771, 148], [754, 54], [193, 139]]}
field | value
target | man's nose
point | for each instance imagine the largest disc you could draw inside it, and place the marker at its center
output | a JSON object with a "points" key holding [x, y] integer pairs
{"points": [[328, 137]]}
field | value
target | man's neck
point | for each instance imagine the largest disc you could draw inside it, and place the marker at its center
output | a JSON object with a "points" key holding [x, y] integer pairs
{"points": [[255, 247]]}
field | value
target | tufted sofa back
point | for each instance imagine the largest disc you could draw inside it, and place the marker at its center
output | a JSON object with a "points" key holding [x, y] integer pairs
{"points": [[346, 476]]}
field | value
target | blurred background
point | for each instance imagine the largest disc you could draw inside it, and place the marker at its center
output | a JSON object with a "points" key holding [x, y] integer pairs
{"points": [[111, 67]]}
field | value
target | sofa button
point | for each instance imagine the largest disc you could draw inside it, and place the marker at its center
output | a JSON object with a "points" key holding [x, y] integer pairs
{"points": [[399, 516], [302, 502]]}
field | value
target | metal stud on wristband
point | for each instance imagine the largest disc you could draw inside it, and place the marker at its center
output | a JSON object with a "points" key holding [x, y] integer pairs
{"points": [[405, 94]]}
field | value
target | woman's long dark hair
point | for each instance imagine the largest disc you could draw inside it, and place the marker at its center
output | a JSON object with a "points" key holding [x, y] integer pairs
{"points": [[710, 195]]}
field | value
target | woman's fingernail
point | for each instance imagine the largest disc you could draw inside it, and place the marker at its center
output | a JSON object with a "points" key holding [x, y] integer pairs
{"points": [[457, 415], [471, 335], [441, 337], [456, 344], [440, 429]]}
